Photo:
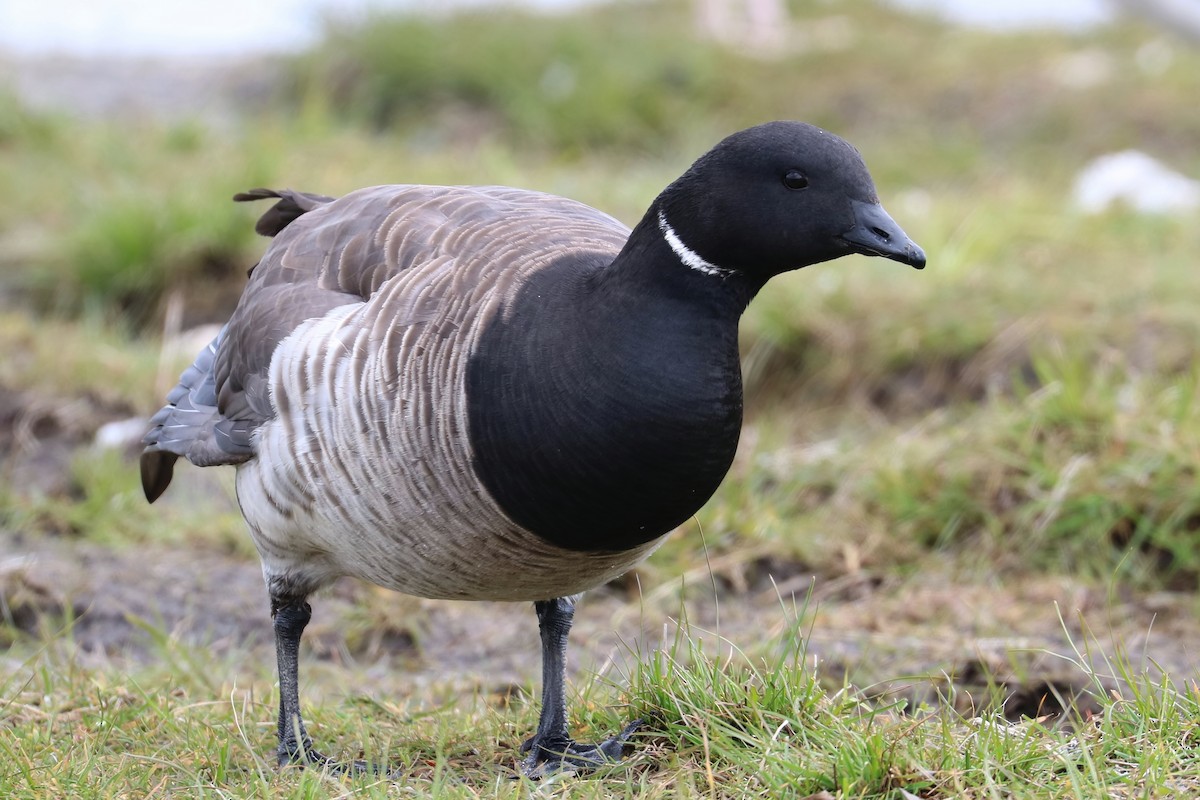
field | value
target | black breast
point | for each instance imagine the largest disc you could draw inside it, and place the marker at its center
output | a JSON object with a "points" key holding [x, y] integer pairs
{"points": [[603, 416]]}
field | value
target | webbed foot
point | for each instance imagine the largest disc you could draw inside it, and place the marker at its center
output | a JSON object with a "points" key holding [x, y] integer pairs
{"points": [[291, 754], [550, 755]]}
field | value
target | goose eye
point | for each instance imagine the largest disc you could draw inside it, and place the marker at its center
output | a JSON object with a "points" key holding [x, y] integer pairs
{"points": [[795, 179]]}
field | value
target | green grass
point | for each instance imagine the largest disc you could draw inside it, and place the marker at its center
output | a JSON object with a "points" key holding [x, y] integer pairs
{"points": [[1022, 412], [717, 723], [559, 82], [1090, 473]]}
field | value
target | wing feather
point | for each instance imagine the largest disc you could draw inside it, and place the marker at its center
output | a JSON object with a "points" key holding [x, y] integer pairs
{"points": [[329, 253]]}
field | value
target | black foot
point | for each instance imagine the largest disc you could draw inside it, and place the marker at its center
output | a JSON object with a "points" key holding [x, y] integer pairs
{"points": [[291, 755], [563, 755]]}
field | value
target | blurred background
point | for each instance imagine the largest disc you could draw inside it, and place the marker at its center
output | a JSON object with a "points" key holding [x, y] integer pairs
{"points": [[955, 472]]}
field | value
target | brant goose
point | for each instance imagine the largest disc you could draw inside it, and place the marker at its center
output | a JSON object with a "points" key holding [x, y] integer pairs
{"points": [[485, 393]]}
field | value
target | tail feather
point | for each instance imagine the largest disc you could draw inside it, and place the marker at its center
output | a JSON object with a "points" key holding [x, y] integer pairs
{"points": [[190, 425], [291, 205], [157, 470]]}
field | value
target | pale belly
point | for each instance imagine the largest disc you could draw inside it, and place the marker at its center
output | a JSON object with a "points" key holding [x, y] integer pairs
{"points": [[466, 550]]}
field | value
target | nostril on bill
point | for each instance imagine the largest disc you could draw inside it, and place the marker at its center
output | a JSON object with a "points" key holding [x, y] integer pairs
{"points": [[882, 234]]}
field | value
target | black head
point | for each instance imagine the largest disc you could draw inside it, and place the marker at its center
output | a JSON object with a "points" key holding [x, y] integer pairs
{"points": [[777, 197]]}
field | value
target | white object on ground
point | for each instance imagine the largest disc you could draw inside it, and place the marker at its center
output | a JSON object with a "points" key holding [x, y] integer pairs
{"points": [[120, 433], [1136, 180]]}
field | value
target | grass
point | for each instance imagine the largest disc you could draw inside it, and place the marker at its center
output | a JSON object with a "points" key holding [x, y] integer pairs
{"points": [[491, 68], [718, 723], [1088, 473], [1021, 414]]}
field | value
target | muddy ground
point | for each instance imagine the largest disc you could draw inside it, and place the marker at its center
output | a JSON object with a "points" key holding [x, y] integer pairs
{"points": [[917, 640]]}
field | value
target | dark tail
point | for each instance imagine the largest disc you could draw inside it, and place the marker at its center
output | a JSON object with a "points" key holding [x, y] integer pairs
{"points": [[291, 205]]}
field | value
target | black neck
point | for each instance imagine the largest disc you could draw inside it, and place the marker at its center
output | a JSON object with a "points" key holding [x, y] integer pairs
{"points": [[605, 405], [647, 262]]}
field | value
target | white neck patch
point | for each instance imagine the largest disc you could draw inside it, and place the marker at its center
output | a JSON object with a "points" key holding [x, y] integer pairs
{"points": [[688, 256]]}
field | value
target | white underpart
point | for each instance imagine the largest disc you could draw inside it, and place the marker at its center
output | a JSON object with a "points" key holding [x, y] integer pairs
{"points": [[687, 255]]}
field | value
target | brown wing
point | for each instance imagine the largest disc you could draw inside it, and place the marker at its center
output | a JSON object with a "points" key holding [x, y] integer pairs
{"points": [[329, 254]]}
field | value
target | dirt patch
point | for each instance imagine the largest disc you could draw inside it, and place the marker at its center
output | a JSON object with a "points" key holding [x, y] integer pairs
{"points": [[40, 435], [932, 641]]}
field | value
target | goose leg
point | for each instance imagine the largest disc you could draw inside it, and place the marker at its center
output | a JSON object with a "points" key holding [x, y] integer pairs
{"points": [[551, 749], [295, 747]]}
